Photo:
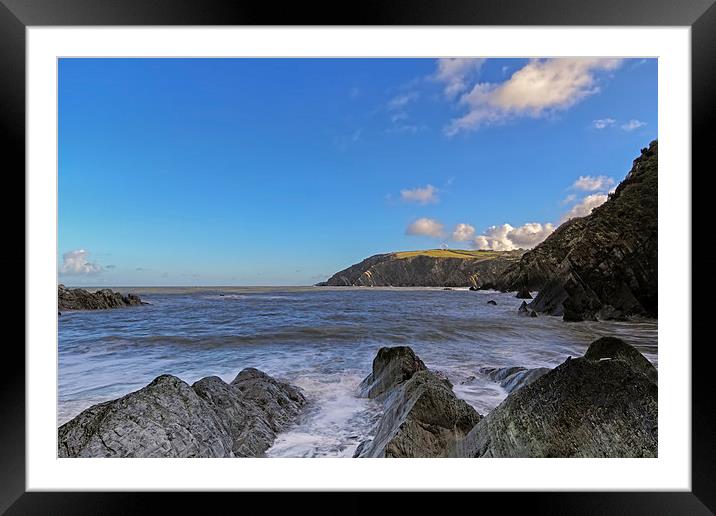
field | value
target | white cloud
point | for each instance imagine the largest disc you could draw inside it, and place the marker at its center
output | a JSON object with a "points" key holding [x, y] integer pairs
{"points": [[75, 262], [426, 195], [425, 227], [603, 123], [530, 234], [508, 238], [402, 100], [569, 198], [454, 73], [593, 183], [463, 232], [541, 87], [633, 124], [585, 207]]}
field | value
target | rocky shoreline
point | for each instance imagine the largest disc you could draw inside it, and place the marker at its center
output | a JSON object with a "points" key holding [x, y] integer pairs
{"points": [[603, 404], [81, 299], [169, 418]]}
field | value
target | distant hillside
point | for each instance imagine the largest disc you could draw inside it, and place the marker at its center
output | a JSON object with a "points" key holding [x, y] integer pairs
{"points": [[428, 268], [604, 265]]}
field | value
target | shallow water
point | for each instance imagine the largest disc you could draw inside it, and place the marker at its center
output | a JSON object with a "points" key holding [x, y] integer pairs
{"points": [[319, 338]]}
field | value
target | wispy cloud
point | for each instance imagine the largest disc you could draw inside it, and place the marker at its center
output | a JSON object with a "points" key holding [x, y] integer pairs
{"points": [[76, 263], [455, 72], [633, 124], [593, 183], [423, 195], [603, 123], [425, 227], [402, 100], [541, 87]]}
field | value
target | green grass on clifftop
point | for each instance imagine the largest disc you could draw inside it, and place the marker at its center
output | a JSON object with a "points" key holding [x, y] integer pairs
{"points": [[447, 253]]}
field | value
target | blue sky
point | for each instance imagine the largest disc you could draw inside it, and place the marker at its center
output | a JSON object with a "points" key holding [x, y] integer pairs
{"points": [[283, 171]]}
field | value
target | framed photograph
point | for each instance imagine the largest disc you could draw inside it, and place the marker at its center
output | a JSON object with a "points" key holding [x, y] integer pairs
{"points": [[435, 248]]}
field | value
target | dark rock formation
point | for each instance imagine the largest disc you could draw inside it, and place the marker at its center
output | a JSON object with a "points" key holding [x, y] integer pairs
{"points": [[611, 347], [513, 378], [423, 270], [523, 310], [492, 302], [603, 265], [391, 366], [601, 405], [168, 418], [423, 417], [523, 293], [81, 299]]}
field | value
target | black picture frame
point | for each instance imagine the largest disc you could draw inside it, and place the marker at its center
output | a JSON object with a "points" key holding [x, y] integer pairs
{"points": [[16, 15]]}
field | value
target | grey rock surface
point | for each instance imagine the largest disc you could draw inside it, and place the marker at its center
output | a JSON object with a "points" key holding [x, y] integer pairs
{"points": [[422, 417], [81, 299], [512, 378], [169, 418], [599, 405], [391, 366]]}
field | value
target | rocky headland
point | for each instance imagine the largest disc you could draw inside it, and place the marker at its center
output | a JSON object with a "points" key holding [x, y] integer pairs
{"points": [[430, 268], [81, 299], [604, 265], [169, 418]]}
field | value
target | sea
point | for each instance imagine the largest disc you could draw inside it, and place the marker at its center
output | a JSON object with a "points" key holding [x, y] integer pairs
{"points": [[322, 339]]}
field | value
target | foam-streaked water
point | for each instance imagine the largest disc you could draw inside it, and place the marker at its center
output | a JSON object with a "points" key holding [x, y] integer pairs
{"points": [[321, 339]]}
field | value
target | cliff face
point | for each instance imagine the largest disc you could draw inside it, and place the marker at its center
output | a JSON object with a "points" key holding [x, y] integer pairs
{"points": [[427, 269], [604, 265]]}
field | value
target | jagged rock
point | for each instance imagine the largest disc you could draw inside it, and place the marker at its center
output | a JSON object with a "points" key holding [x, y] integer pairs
{"points": [[603, 265], [599, 405], [492, 302], [533, 313], [168, 418], [391, 366], [513, 378], [523, 310], [523, 293], [473, 288], [479, 270], [422, 418], [81, 299]]}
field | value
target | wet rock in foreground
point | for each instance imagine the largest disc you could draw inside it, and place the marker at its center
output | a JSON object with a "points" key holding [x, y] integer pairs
{"points": [[423, 417], [391, 366], [601, 405], [169, 418]]}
